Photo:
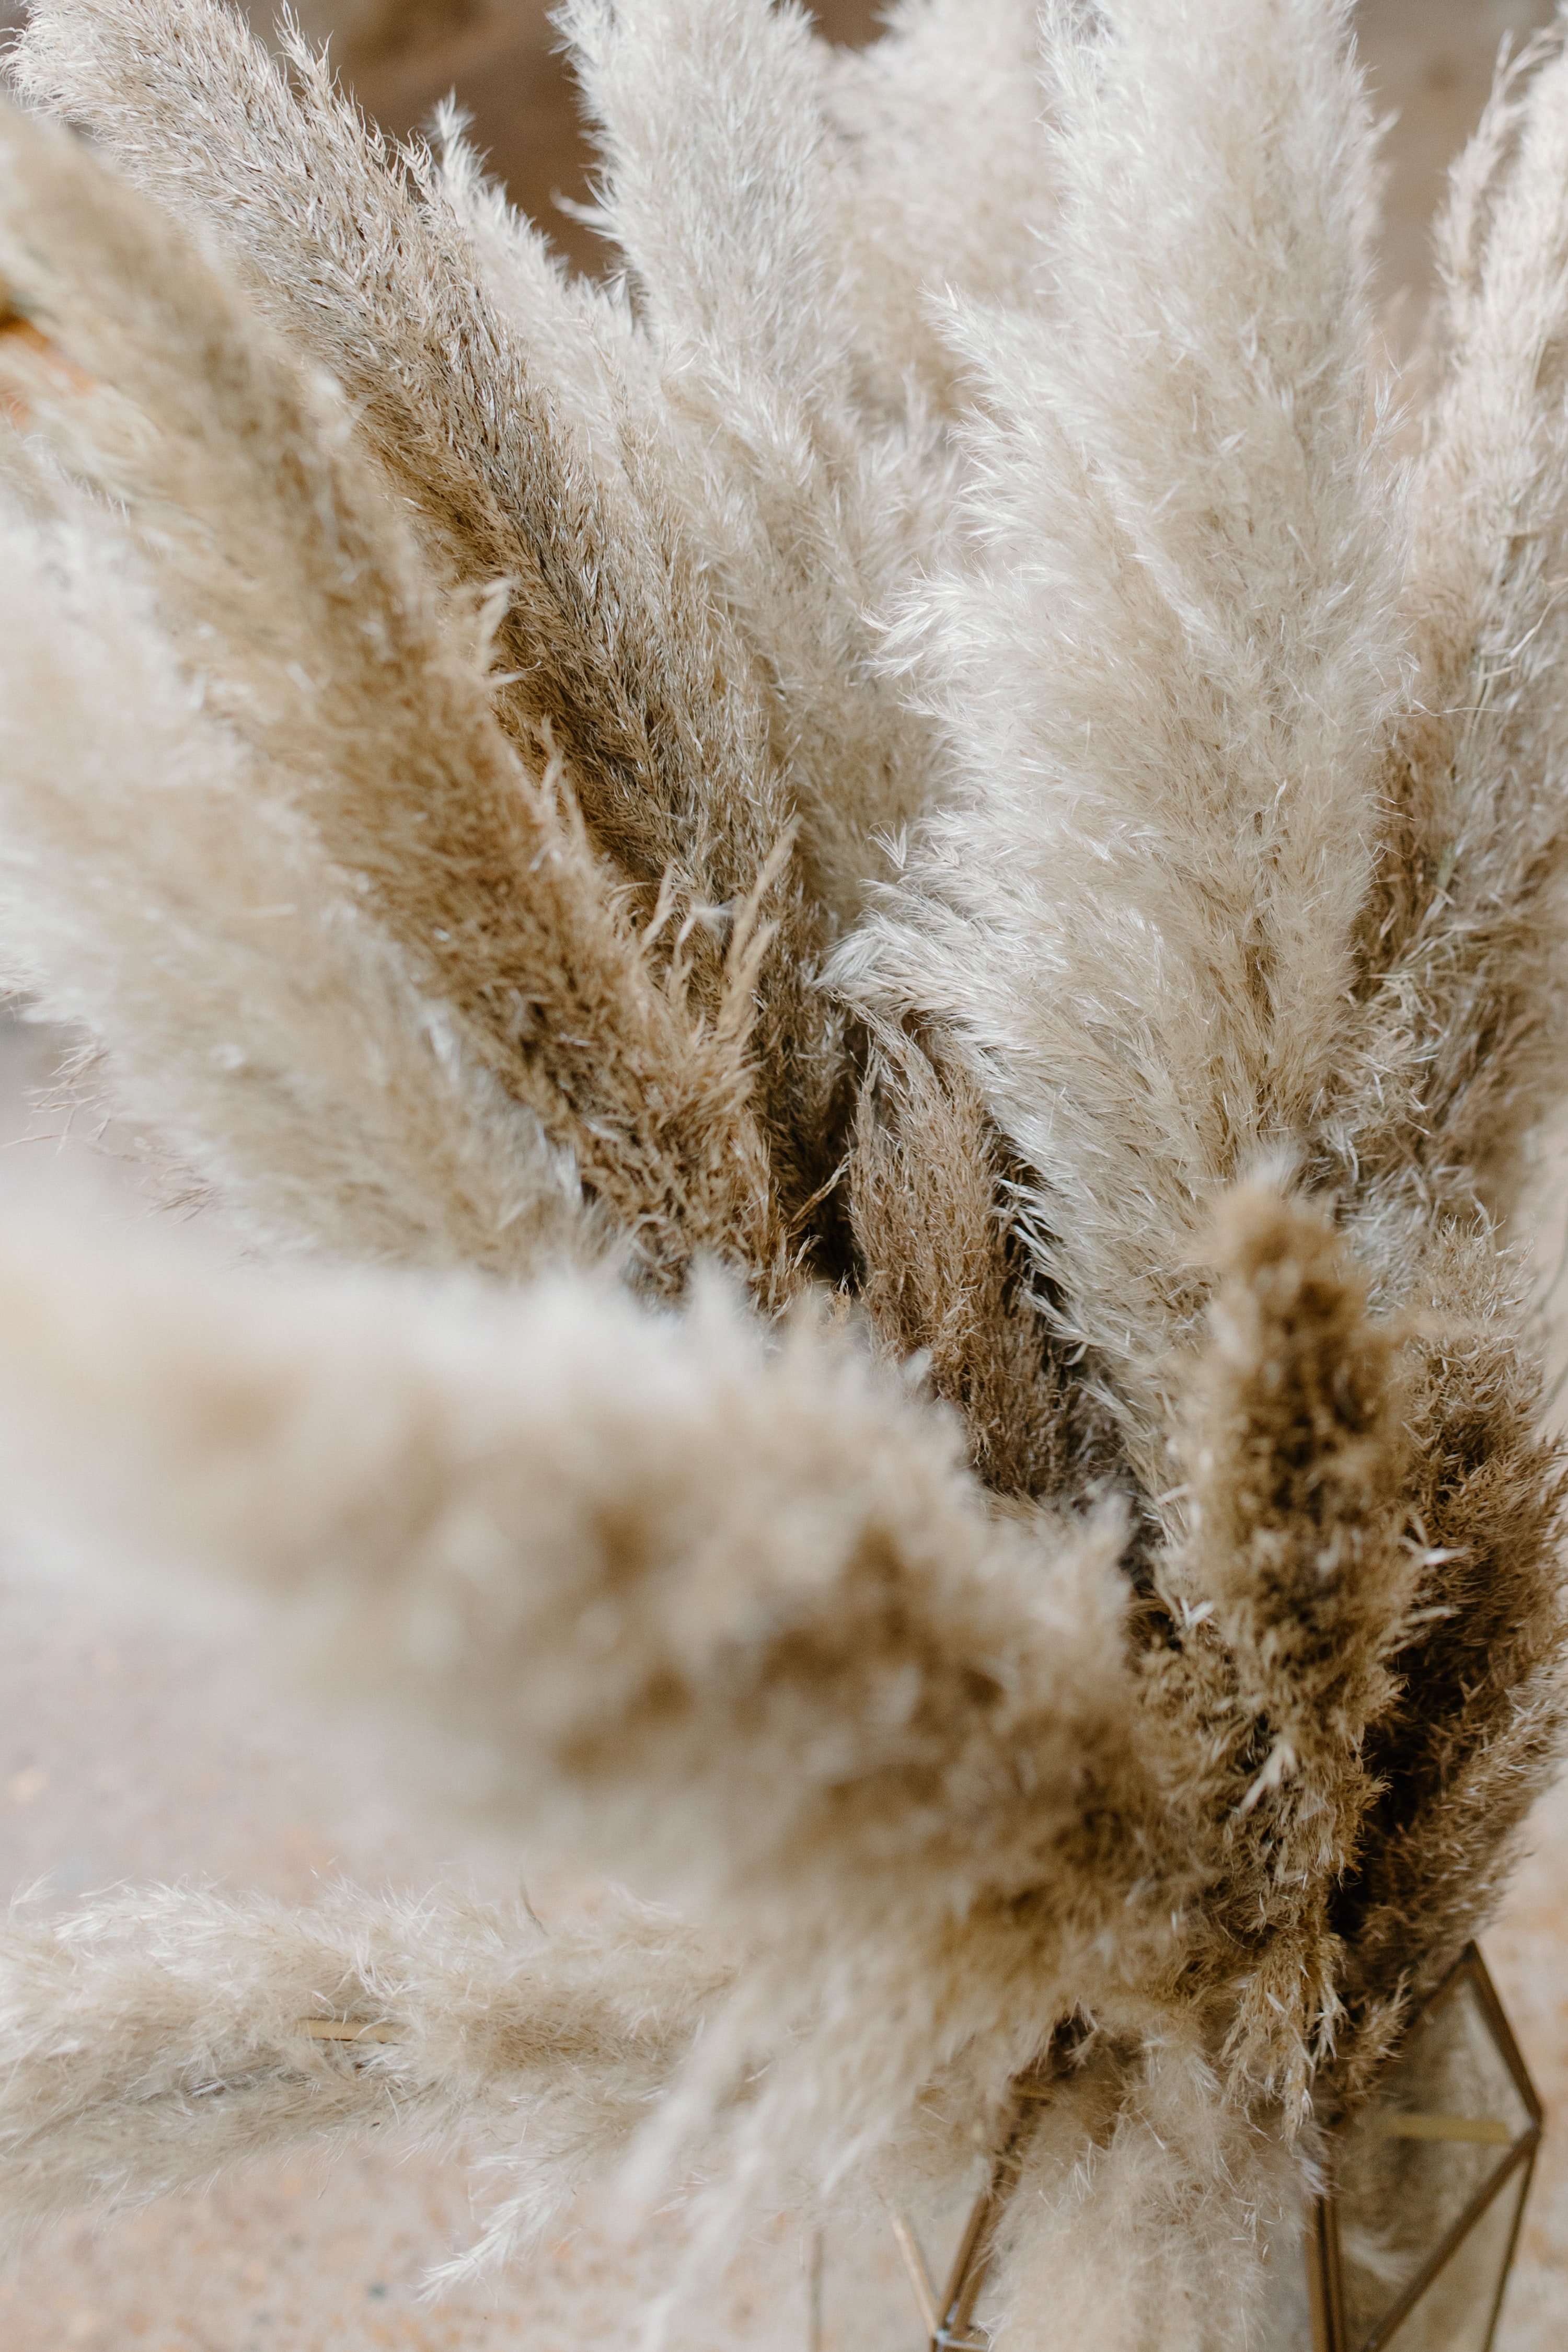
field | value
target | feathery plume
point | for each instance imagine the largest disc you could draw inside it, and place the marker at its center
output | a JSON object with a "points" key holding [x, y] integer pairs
{"points": [[943, 179], [153, 2040], [717, 189], [944, 1274], [1461, 940], [1166, 662], [1292, 1590], [649, 1545], [154, 883], [611, 651], [329, 652]]}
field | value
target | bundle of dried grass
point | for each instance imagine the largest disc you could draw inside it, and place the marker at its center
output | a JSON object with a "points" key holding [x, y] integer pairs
{"points": [[906, 901]]}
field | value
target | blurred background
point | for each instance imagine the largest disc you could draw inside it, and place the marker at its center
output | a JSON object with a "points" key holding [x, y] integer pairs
{"points": [[126, 1754], [1431, 60]]}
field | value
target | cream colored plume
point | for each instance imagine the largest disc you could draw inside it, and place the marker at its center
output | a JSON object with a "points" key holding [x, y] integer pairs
{"points": [[1166, 659]]}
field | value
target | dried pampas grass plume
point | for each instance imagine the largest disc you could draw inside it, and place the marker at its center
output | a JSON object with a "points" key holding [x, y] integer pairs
{"points": [[877, 913]]}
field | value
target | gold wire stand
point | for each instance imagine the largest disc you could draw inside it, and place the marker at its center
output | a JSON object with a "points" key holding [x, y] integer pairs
{"points": [[949, 2313]]}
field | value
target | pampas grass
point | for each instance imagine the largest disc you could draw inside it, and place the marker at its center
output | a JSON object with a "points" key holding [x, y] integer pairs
{"points": [[169, 2033], [873, 920]]}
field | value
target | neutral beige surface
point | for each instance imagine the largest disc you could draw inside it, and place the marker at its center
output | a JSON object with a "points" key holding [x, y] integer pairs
{"points": [[1431, 63], [123, 1755]]}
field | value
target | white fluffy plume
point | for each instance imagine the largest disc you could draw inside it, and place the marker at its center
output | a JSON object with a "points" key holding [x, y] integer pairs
{"points": [[1164, 662]]}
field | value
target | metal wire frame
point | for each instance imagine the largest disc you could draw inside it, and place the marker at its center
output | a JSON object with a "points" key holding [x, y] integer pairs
{"points": [[1325, 2274], [948, 2313]]}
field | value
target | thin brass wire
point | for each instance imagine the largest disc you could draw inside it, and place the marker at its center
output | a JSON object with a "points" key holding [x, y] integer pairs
{"points": [[948, 2314], [1324, 2272]]}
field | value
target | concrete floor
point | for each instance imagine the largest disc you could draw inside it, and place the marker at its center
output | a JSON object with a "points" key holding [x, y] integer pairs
{"points": [[125, 1754]]}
